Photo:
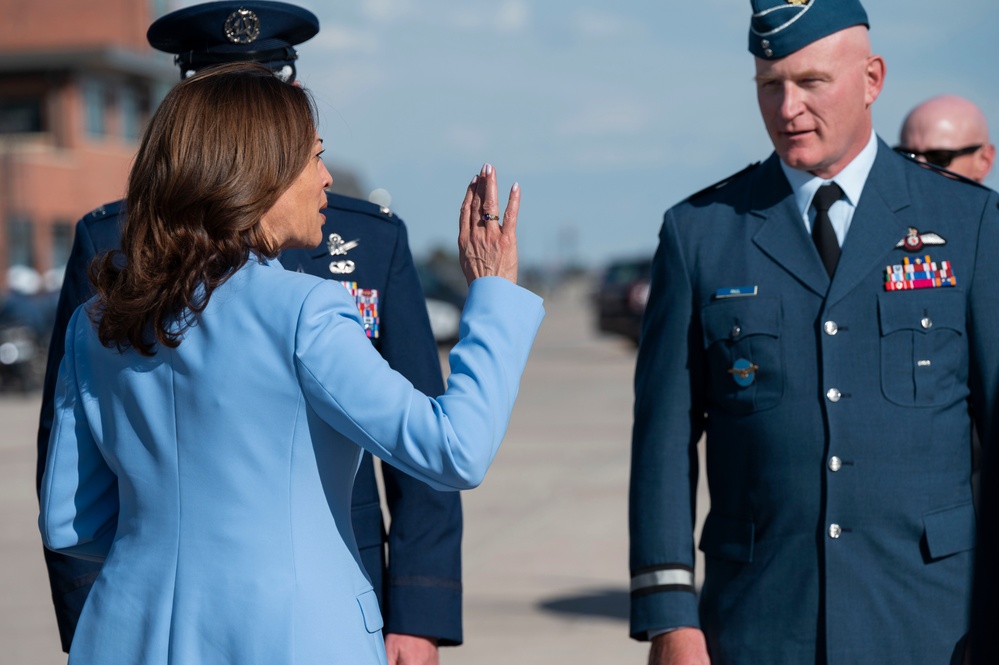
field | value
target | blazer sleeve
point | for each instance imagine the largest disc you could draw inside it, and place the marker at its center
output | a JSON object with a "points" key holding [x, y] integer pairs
{"points": [[70, 578], [669, 420], [79, 492], [423, 591], [448, 441], [74, 292]]}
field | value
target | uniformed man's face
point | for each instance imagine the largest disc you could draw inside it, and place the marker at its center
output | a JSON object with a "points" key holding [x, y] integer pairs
{"points": [[295, 219], [950, 124], [816, 102]]}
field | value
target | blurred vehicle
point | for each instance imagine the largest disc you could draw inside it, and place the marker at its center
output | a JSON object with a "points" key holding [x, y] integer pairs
{"points": [[25, 324], [20, 357], [444, 304], [621, 297]]}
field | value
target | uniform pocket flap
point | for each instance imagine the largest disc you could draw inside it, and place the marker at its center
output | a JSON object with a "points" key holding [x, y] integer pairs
{"points": [[738, 318], [728, 538], [923, 310], [368, 602], [950, 530]]}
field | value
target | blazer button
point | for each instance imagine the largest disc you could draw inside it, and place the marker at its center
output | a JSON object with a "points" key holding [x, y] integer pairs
{"points": [[926, 322], [830, 327], [833, 395], [835, 464], [835, 531], [736, 331]]}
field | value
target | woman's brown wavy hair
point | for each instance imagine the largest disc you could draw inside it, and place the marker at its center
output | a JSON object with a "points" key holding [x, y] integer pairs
{"points": [[219, 151]]}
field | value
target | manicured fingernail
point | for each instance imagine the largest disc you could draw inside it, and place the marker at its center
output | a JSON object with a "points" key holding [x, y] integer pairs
{"points": [[516, 187], [475, 179], [485, 170]]}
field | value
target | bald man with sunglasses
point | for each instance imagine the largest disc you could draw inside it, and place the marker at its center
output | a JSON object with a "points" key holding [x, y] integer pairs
{"points": [[949, 132]]}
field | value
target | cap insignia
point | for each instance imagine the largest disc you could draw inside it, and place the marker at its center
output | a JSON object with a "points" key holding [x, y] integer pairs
{"points": [[242, 26], [797, 2]]}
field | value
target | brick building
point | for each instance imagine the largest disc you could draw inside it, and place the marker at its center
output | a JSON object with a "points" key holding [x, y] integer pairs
{"points": [[78, 82]]}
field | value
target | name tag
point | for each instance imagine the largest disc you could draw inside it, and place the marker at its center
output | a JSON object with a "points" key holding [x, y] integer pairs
{"points": [[736, 292]]}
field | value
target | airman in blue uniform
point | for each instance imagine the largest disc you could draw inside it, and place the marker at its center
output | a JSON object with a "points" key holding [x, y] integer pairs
{"points": [[419, 579], [829, 319]]}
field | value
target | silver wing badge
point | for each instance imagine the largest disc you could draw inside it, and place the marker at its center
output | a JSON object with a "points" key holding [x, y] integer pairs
{"points": [[338, 247], [915, 241]]}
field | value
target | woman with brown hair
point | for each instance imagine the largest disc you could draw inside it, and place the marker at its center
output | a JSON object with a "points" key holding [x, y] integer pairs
{"points": [[212, 406]]}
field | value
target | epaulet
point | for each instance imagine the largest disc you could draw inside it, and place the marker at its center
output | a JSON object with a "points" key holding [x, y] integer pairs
{"points": [[721, 183], [939, 170], [106, 210], [341, 202]]}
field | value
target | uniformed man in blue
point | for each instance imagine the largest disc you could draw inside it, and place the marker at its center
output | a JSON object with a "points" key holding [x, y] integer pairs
{"points": [[829, 319], [366, 248]]}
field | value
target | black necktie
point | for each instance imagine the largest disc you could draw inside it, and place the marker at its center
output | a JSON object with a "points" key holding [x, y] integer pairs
{"points": [[822, 231]]}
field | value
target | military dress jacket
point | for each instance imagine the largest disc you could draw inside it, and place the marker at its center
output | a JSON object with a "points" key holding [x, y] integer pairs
{"points": [[419, 585], [220, 507], [837, 415]]}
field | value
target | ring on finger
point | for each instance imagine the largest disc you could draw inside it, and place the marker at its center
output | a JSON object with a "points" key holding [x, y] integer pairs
{"points": [[489, 218]]}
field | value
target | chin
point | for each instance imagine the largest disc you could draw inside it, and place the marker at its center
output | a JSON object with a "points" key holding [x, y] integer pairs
{"points": [[800, 159]]}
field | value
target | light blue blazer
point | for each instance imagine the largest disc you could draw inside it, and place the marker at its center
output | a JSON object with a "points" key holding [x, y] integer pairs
{"points": [[214, 479]]}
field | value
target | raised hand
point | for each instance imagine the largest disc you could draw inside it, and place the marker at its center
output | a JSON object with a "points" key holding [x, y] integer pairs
{"points": [[485, 246]]}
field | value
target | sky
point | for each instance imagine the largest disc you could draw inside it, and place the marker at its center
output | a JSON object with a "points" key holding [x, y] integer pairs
{"points": [[606, 113]]}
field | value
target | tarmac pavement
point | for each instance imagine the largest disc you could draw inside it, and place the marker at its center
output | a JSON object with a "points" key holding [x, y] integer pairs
{"points": [[545, 547]]}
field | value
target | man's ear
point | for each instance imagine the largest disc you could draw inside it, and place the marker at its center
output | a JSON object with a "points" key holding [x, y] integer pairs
{"points": [[984, 160], [875, 78]]}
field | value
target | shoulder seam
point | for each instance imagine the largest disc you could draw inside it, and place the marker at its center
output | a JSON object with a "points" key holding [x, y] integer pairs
{"points": [[106, 210], [723, 182]]}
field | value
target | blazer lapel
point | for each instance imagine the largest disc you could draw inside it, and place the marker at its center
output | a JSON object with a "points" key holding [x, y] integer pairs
{"points": [[876, 228], [782, 234]]}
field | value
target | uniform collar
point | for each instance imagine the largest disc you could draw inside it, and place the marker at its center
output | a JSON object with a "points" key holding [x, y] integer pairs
{"points": [[851, 179]]}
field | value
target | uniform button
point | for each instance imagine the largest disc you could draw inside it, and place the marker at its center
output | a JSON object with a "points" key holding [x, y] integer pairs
{"points": [[835, 464], [768, 52], [736, 331], [830, 327], [833, 395], [835, 530], [765, 43], [927, 323]]}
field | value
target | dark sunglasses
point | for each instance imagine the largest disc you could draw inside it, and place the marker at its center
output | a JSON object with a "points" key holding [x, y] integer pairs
{"points": [[941, 158]]}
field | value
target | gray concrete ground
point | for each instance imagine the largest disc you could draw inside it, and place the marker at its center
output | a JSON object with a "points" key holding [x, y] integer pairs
{"points": [[545, 545]]}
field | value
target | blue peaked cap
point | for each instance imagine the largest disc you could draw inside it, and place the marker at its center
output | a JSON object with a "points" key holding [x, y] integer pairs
{"points": [[217, 32], [781, 27]]}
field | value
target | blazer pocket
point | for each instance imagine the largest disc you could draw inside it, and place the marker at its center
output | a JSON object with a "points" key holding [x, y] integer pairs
{"points": [[746, 330], [950, 530], [728, 538], [923, 350], [370, 611]]}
